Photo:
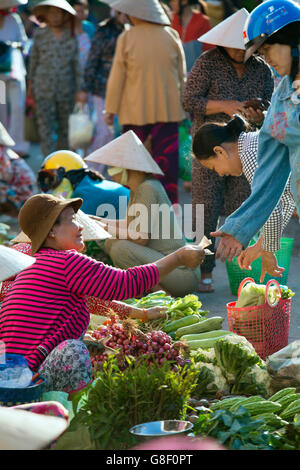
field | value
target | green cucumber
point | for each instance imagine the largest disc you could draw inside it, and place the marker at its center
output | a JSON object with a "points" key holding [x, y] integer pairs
{"points": [[201, 343], [207, 335], [282, 393], [181, 322], [213, 323]]}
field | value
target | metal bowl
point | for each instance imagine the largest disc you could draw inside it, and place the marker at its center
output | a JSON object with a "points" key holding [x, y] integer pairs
{"points": [[161, 428]]}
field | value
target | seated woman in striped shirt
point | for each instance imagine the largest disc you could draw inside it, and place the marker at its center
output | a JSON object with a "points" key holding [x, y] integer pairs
{"points": [[45, 314], [230, 150]]}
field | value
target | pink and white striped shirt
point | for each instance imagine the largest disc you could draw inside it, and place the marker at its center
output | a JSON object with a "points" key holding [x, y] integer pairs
{"points": [[46, 304]]}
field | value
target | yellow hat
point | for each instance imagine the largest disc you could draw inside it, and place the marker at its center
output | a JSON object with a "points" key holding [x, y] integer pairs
{"points": [[63, 158]]}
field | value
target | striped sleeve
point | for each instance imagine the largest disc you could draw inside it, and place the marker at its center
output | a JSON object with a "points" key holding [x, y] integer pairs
{"points": [[85, 276]]}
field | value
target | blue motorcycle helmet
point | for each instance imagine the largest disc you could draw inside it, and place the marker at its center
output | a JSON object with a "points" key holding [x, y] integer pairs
{"points": [[267, 19]]}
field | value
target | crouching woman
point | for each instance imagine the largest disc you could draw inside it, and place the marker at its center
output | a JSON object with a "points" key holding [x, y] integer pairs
{"points": [[44, 315]]}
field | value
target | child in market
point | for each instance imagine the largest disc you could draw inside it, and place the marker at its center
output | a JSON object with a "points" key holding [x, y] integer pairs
{"points": [[55, 74]]}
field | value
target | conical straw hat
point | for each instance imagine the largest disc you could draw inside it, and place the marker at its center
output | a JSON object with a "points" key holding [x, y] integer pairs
{"points": [[126, 151], [12, 262], [63, 4], [228, 33], [148, 10], [5, 138], [25, 430], [92, 230]]}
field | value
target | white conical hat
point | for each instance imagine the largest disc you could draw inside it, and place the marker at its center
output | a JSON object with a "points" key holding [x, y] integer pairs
{"points": [[126, 151], [12, 262], [5, 138], [148, 10], [63, 4], [92, 230], [25, 430], [11, 3], [228, 33]]}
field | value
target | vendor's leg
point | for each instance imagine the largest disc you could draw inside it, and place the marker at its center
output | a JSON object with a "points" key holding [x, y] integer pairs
{"points": [[45, 111], [102, 133], [67, 368], [64, 109], [126, 254], [208, 190]]}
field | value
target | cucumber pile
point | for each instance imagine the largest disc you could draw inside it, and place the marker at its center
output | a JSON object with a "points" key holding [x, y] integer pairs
{"points": [[196, 331]]}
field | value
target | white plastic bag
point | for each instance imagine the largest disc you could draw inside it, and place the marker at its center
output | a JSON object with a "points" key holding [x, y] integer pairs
{"points": [[81, 127]]}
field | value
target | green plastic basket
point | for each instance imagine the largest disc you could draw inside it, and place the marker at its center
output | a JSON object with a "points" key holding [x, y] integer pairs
{"points": [[236, 275]]}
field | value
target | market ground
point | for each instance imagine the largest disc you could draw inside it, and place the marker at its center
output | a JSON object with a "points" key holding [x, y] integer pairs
{"points": [[216, 302]]}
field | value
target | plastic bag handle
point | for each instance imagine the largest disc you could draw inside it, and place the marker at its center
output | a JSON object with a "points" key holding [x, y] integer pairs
{"points": [[242, 284], [269, 283]]}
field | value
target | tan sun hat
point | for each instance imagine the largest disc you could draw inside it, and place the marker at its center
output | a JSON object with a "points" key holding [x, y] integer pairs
{"points": [[5, 138], [12, 262], [40, 8], [228, 33], [147, 10], [92, 230], [126, 151], [25, 430], [38, 215], [11, 3]]}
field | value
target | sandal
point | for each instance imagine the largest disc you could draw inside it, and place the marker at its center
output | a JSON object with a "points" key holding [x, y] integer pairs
{"points": [[206, 285]]}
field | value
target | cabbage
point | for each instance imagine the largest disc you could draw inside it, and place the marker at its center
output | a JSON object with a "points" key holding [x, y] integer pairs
{"points": [[254, 381], [253, 294], [210, 380], [234, 355]]}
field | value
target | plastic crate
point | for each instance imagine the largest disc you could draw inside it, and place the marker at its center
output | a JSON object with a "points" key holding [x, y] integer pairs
{"points": [[265, 326], [236, 275]]}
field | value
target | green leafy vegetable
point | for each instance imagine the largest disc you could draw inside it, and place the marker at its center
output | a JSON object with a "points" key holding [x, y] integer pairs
{"points": [[254, 381], [234, 355]]}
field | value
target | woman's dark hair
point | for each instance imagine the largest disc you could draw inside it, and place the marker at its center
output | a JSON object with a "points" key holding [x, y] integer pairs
{"points": [[211, 134], [190, 2], [290, 36], [84, 3]]}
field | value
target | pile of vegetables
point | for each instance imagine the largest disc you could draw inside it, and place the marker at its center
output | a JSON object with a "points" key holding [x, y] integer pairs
{"points": [[121, 398], [128, 340], [181, 307], [231, 366], [4, 232]]}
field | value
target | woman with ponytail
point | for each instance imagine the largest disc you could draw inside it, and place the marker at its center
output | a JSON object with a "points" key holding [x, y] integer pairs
{"points": [[220, 85], [229, 150], [273, 29]]}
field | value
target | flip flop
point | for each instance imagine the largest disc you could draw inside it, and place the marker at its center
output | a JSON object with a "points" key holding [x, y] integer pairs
{"points": [[206, 286]]}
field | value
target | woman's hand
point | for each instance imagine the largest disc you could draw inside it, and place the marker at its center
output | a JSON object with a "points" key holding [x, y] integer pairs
{"points": [[109, 119], [229, 247], [249, 255], [191, 256], [256, 116], [156, 312], [81, 97], [269, 265], [232, 107]]}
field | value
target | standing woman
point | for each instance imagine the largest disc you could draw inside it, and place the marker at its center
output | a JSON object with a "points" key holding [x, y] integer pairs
{"points": [[96, 74], [219, 86], [229, 149], [190, 23], [13, 73], [145, 84], [273, 29], [54, 72]]}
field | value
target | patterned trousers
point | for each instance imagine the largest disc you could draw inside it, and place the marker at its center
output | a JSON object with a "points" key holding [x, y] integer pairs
{"points": [[162, 141], [53, 118]]}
